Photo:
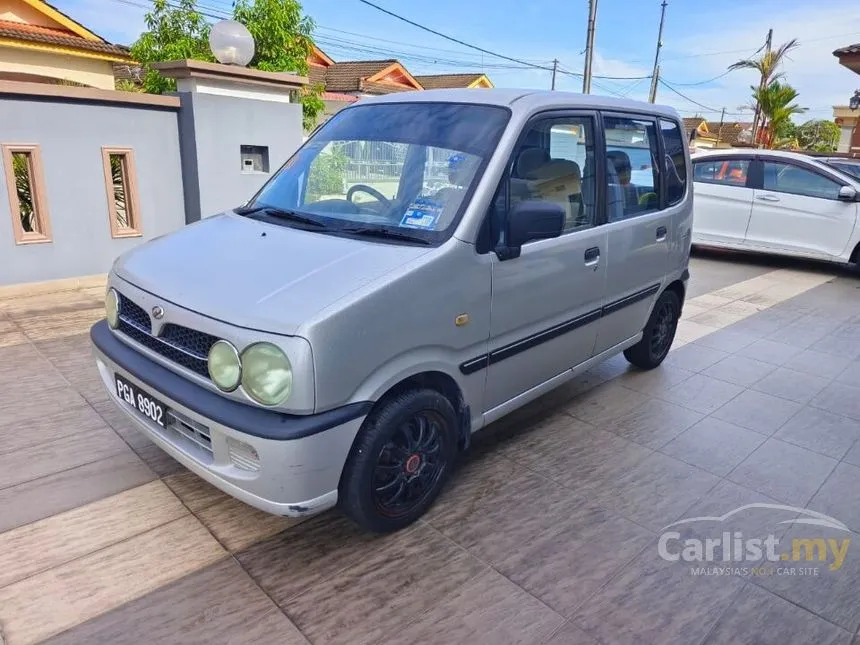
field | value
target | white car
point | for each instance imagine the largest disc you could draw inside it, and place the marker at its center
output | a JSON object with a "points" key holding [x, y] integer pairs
{"points": [[775, 202]]}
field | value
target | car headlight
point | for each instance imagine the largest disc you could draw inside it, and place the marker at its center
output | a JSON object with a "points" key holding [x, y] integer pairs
{"points": [[267, 375], [112, 308], [225, 368]]}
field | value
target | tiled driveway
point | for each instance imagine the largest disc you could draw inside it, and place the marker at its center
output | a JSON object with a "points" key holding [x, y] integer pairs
{"points": [[547, 534]]}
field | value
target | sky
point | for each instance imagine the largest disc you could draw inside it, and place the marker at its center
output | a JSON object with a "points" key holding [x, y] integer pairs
{"points": [[699, 42]]}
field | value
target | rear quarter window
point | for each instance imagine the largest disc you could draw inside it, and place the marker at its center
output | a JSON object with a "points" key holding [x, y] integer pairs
{"points": [[675, 162]]}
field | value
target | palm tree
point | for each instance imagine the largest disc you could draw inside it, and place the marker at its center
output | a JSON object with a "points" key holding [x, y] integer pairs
{"points": [[776, 104], [767, 66]]}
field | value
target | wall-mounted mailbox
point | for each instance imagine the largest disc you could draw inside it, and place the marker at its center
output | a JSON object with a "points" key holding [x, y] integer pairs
{"points": [[254, 159]]}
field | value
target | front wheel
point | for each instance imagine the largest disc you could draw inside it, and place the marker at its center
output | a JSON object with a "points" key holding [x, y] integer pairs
{"points": [[400, 460], [658, 334]]}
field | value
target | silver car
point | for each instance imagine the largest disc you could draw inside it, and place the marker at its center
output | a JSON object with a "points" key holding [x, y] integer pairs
{"points": [[423, 265]]}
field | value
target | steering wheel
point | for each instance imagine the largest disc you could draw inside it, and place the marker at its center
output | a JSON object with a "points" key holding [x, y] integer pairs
{"points": [[370, 190]]}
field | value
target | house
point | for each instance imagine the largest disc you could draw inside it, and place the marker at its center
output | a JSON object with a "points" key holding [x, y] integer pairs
{"points": [[39, 43], [716, 134], [846, 118], [347, 81], [441, 81]]}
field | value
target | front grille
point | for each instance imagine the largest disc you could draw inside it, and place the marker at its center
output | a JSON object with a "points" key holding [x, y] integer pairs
{"points": [[195, 432], [186, 347]]}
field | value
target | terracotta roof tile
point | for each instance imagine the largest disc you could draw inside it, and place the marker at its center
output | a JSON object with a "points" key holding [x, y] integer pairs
{"points": [[347, 76], [48, 36], [440, 81], [850, 49]]}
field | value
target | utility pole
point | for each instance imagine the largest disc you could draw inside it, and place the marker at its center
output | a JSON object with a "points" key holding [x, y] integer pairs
{"points": [[589, 46], [554, 67], [761, 84], [655, 74], [720, 131]]}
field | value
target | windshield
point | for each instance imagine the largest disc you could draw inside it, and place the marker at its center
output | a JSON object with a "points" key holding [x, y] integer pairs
{"points": [[393, 168]]}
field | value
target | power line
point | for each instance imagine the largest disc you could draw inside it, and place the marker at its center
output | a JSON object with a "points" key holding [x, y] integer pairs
{"points": [[710, 80], [452, 39], [694, 102]]}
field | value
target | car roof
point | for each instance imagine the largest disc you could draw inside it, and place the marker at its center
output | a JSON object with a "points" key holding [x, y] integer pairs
{"points": [[522, 100], [760, 152]]}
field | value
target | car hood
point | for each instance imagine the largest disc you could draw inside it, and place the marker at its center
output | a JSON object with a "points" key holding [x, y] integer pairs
{"points": [[257, 275]]}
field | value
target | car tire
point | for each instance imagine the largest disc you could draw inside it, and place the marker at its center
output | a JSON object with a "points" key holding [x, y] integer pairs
{"points": [[658, 335], [406, 447]]}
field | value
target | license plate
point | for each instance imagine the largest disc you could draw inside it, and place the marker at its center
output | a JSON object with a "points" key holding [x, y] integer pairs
{"points": [[142, 401]]}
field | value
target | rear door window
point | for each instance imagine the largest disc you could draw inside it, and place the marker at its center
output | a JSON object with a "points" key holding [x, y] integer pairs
{"points": [[632, 175], [730, 172], [675, 162]]}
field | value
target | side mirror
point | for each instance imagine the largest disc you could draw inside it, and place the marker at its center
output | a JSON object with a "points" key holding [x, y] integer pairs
{"points": [[847, 194], [530, 220]]}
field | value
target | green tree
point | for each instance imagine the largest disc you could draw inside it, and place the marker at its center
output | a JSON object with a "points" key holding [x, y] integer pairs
{"points": [[282, 42], [326, 174], [818, 136], [776, 101], [174, 32], [767, 65]]}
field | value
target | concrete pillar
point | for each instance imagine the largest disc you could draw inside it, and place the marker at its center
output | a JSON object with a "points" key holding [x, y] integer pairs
{"points": [[237, 126]]}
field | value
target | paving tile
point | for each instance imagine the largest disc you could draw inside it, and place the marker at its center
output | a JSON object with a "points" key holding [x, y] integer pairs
{"points": [[801, 333], [819, 364], [573, 453], [42, 545], [788, 384], [488, 609], [385, 590], [605, 403], [611, 368], [839, 346], [714, 445], [694, 358], [79, 419], [238, 526], [850, 375], [838, 398], [651, 382], [659, 602], [853, 456], [823, 432], [831, 594], [758, 411], [573, 556], [60, 325], [55, 456], [73, 358], [53, 397], [570, 634], [701, 393], [771, 351], [839, 497], [739, 370], [734, 508], [218, 604], [195, 493], [26, 368], [656, 492], [43, 304], [766, 619], [55, 600], [773, 471], [717, 318], [654, 423], [727, 340], [688, 331], [71, 488]]}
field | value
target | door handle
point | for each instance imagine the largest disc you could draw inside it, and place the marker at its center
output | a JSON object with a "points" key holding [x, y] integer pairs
{"points": [[592, 256], [661, 233], [767, 198]]}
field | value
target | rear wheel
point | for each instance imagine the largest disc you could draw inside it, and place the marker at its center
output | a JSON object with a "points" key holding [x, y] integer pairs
{"points": [[400, 461], [658, 334]]}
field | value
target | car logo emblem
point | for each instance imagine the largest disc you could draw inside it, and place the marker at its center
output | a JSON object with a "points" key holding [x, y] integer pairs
{"points": [[157, 312]]}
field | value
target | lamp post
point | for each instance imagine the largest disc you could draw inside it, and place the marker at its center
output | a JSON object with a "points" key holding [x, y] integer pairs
{"points": [[854, 102], [231, 43]]}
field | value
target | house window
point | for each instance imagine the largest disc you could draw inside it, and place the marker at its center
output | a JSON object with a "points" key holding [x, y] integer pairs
{"points": [[121, 187], [25, 185]]}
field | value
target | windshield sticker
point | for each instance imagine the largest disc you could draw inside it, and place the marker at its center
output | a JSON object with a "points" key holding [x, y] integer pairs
{"points": [[422, 213]]}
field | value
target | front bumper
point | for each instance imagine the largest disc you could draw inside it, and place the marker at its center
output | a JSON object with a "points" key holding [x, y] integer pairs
{"points": [[282, 464]]}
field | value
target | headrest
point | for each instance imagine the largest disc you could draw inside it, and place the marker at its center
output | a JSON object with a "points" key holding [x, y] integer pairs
{"points": [[530, 160], [619, 159]]}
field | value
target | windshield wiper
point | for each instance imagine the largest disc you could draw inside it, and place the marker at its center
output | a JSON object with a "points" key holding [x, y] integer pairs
{"points": [[369, 231], [280, 213]]}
